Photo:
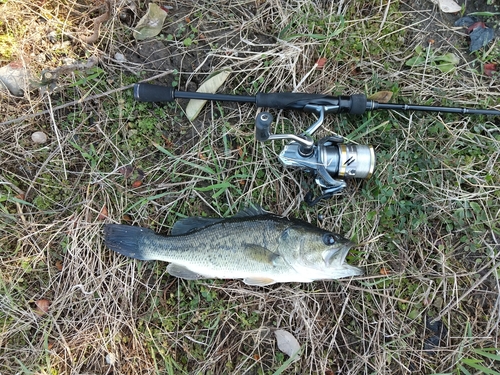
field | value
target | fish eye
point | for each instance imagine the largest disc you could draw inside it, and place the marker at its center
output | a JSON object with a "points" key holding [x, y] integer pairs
{"points": [[328, 239]]}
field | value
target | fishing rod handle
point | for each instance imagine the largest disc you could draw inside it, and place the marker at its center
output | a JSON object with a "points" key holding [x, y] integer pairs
{"points": [[146, 92], [353, 104]]}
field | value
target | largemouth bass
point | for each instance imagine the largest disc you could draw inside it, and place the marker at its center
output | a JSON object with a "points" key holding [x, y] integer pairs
{"points": [[254, 245]]}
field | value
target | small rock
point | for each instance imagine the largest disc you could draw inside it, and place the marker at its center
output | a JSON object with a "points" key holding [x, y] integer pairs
{"points": [[110, 359], [41, 58], [15, 78], [39, 137], [120, 57], [52, 36]]}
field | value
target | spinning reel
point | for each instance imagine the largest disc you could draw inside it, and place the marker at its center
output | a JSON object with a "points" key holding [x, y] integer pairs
{"points": [[329, 160]]}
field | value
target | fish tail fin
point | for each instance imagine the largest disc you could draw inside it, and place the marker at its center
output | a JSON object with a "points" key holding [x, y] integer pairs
{"points": [[125, 239]]}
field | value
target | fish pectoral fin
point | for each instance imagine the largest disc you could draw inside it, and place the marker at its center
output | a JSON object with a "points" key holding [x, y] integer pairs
{"points": [[261, 254], [182, 272], [258, 281]]}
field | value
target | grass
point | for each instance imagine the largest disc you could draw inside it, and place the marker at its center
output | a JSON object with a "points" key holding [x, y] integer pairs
{"points": [[428, 217]]}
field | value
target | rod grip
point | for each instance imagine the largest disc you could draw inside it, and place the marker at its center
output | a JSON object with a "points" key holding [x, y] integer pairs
{"points": [[358, 104], [354, 104], [286, 100], [146, 92]]}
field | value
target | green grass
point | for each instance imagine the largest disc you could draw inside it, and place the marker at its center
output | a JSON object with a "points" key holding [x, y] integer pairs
{"points": [[428, 217]]}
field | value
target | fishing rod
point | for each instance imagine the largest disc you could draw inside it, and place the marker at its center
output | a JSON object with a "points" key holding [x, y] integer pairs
{"points": [[330, 160]]}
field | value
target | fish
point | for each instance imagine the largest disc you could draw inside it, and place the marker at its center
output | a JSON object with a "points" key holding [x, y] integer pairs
{"points": [[256, 246]]}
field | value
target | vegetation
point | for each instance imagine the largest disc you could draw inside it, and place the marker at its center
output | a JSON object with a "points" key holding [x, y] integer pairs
{"points": [[428, 219]]}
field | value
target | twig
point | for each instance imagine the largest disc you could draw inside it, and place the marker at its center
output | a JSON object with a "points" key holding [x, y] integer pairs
{"points": [[56, 131], [384, 18]]}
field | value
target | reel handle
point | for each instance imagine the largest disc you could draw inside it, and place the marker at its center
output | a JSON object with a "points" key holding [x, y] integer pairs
{"points": [[262, 126]]}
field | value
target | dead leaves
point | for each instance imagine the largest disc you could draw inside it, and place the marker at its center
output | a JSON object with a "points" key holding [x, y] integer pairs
{"points": [[448, 6], [128, 171], [320, 63], [381, 96], [151, 23], [209, 86], [42, 306], [479, 33], [288, 344], [490, 69], [103, 215]]}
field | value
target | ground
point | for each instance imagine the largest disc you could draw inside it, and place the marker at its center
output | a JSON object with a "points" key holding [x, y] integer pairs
{"points": [[427, 221]]}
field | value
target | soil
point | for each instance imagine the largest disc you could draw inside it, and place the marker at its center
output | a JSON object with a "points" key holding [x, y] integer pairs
{"points": [[438, 27], [432, 26]]}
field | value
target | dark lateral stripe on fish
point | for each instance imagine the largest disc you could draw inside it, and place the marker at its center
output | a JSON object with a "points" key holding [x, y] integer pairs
{"points": [[124, 239]]}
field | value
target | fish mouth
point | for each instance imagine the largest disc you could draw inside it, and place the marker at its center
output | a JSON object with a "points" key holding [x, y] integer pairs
{"points": [[340, 255]]}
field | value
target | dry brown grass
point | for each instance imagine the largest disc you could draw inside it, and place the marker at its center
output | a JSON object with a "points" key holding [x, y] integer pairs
{"points": [[429, 216]]}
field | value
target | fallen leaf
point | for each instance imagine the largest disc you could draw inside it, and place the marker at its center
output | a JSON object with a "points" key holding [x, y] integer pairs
{"points": [[103, 214], [448, 6], [381, 96], [489, 69], [320, 64], [127, 218], [136, 183], [59, 265], [42, 306], [476, 25], [465, 21], [287, 343], [384, 271], [166, 138], [151, 24], [209, 86], [126, 170], [480, 36]]}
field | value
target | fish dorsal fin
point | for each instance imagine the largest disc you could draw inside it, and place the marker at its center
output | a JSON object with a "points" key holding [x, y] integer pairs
{"points": [[258, 281], [253, 210], [182, 272], [192, 224]]}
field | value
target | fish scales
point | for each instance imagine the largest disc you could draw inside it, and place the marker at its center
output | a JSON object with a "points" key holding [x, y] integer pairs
{"points": [[259, 248], [222, 247]]}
